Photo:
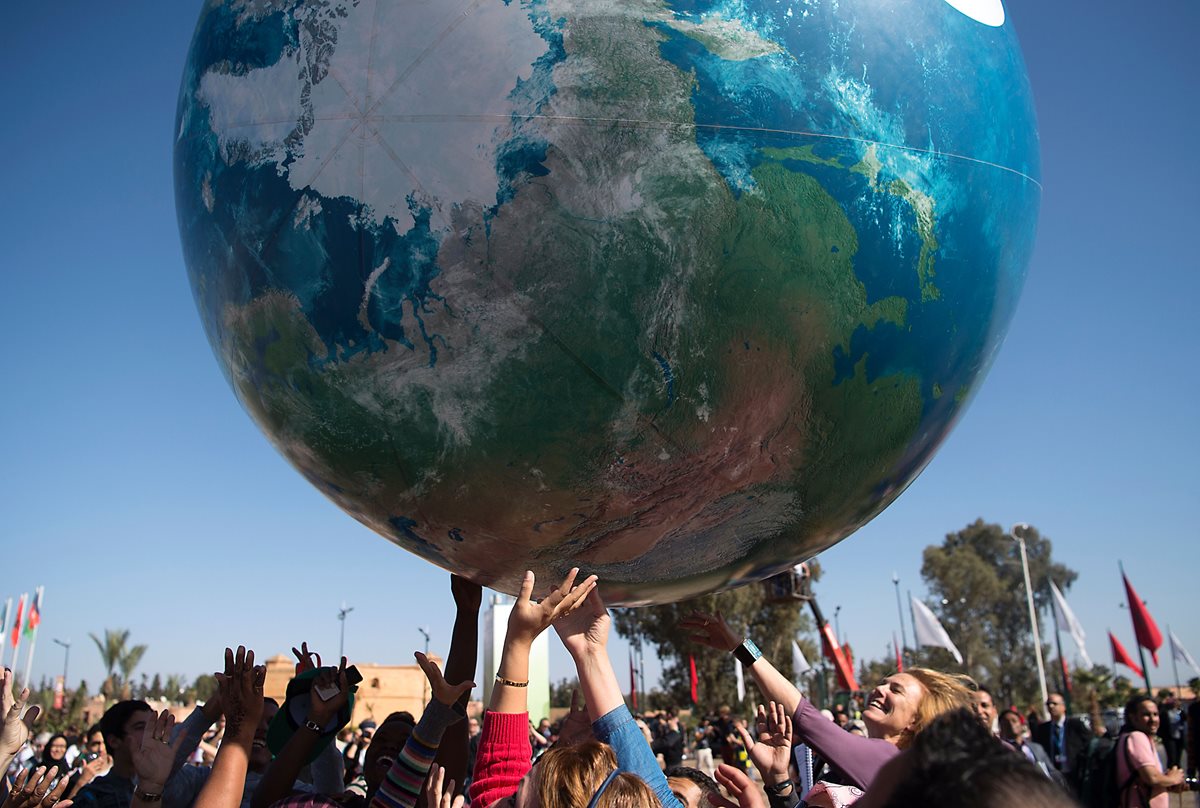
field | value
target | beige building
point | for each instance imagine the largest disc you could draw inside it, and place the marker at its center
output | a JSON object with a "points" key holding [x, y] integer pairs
{"points": [[385, 689]]}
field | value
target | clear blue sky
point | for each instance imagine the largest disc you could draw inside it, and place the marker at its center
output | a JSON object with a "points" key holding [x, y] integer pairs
{"points": [[135, 489]]}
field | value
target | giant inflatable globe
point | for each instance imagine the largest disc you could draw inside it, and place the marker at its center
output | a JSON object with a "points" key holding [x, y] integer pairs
{"points": [[680, 292]]}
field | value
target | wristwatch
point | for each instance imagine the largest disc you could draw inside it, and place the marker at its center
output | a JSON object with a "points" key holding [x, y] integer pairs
{"points": [[747, 653], [778, 788]]}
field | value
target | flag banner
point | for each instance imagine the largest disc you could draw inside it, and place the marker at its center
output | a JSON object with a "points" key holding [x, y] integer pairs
{"points": [[1144, 627], [929, 630], [16, 629], [1180, 653], [4, 625], [59, 692], [1121, 656], [1065, 619], [741, 680], [899, 657], [799, 663], [692, 679], [35, 612]]}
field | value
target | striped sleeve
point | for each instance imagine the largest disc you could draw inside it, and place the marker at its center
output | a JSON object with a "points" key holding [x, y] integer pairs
{"points": [[402, 786]]}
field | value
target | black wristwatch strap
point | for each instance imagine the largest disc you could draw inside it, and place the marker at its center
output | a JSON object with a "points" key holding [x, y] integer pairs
{"points": [[778, 788], [747, 653]]}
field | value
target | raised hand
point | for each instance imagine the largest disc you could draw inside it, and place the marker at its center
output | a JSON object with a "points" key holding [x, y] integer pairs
{"points": [[711, 630], [304, 658], [746, 792], [447, 694], [585, 629], [530, 618], [321, 711], [772, 754], [468, 595], [32, 789], [154, 756], [241, 689], [437, 796], [577, 726], [17, 727]]}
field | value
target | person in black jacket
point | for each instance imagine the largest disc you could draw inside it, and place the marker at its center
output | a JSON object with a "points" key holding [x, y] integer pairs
{"points": [[1066, 739]]}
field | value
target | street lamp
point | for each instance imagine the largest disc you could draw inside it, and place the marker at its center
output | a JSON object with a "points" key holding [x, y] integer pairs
{"points": [[837, 626], [899, 609], [1018, 528], [425, 634], [66, 644], [342, 612]]}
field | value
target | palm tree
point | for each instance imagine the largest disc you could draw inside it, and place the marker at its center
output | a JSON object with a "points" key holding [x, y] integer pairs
{"points": [[115, 655]]}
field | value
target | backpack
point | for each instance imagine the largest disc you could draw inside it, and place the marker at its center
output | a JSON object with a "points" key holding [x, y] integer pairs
{"points": [[1098, 786]]}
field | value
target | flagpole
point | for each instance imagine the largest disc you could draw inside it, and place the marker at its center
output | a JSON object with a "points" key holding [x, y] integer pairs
{"points": [[4, 629], [1174, 664], [1136, 639], [1062, 665], [1033, 625]]}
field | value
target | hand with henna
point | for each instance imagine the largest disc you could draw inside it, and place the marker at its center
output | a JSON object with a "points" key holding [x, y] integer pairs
{"points": [[154, 757], [35, 788], [241, 689]]}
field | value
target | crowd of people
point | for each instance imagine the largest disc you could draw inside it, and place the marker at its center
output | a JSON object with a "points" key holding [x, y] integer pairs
{"points": [[920, 737]]}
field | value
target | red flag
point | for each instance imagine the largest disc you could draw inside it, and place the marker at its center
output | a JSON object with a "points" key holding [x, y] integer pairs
{"points": [[899, 658], [16, 629], [1066, 674], [1144, 628], [1121, 656], [692, 678], [35, 613], [632, 684]]}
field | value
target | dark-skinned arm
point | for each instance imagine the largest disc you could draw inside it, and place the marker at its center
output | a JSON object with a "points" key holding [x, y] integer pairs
{"points": [[460, 667], [241, 688], [281, 775]]}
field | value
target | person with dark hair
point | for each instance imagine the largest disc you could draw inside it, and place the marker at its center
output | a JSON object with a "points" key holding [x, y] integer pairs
{"points": [[691, 787], [985, 708], [1140, 776], [1065, 738], [955, 762], [1014, 733], [54, 755], [669, 742]]}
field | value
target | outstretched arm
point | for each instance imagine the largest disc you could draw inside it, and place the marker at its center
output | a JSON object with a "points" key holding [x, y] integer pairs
{"points": [[18, 719], [713, 631], [402, 785], [241, 688], [460, 667], [584, 632], [282, 773], [504, 752]]}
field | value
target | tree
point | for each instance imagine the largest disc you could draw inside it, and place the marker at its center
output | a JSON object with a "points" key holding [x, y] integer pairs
{"points": [[560, 691], [978, 587], [116, 653], [771, 625]]}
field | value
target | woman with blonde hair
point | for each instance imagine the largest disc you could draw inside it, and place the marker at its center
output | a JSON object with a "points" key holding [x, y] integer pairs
{"points": [[897, 709]]}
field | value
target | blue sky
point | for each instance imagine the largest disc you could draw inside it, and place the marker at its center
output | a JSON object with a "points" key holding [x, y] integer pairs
{"points": [[136, 490]]}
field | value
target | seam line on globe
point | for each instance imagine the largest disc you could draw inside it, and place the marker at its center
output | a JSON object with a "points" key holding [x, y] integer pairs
{"points": [[500, 117]]}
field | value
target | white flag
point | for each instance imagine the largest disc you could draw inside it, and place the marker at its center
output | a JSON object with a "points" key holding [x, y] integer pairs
{"points": [[929, 630], [741, 680], [799, 663], [1180, 653], [1065, 619]]}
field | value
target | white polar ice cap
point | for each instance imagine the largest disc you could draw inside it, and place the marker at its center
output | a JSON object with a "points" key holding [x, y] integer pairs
{"points": [[988, 12]]}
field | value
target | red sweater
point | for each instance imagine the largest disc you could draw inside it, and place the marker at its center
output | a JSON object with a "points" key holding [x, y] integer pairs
{"points": [[504, 757]]}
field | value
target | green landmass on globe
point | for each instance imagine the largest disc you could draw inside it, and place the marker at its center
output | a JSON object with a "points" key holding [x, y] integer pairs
{"points": [[679, 292]]}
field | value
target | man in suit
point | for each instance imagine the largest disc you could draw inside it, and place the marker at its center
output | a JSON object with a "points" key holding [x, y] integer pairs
{"points": [[1066, 739], [1012, 730]]}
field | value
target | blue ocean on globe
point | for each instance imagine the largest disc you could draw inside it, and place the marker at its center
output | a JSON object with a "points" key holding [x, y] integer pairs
{"points": [[678, 292]]}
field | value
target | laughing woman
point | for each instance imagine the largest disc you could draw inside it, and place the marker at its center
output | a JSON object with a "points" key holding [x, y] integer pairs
{"points": [[897, 709]]}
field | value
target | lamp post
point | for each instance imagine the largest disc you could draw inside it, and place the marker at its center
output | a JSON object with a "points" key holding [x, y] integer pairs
{"points": [[342, 612], [1017, 529], [66, 644], [425, 634], [837, 626]]}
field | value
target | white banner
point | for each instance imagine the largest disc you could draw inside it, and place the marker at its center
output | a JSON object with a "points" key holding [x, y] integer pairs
{"points": [[1065, 619], [1180, 653], [929, 630]]}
